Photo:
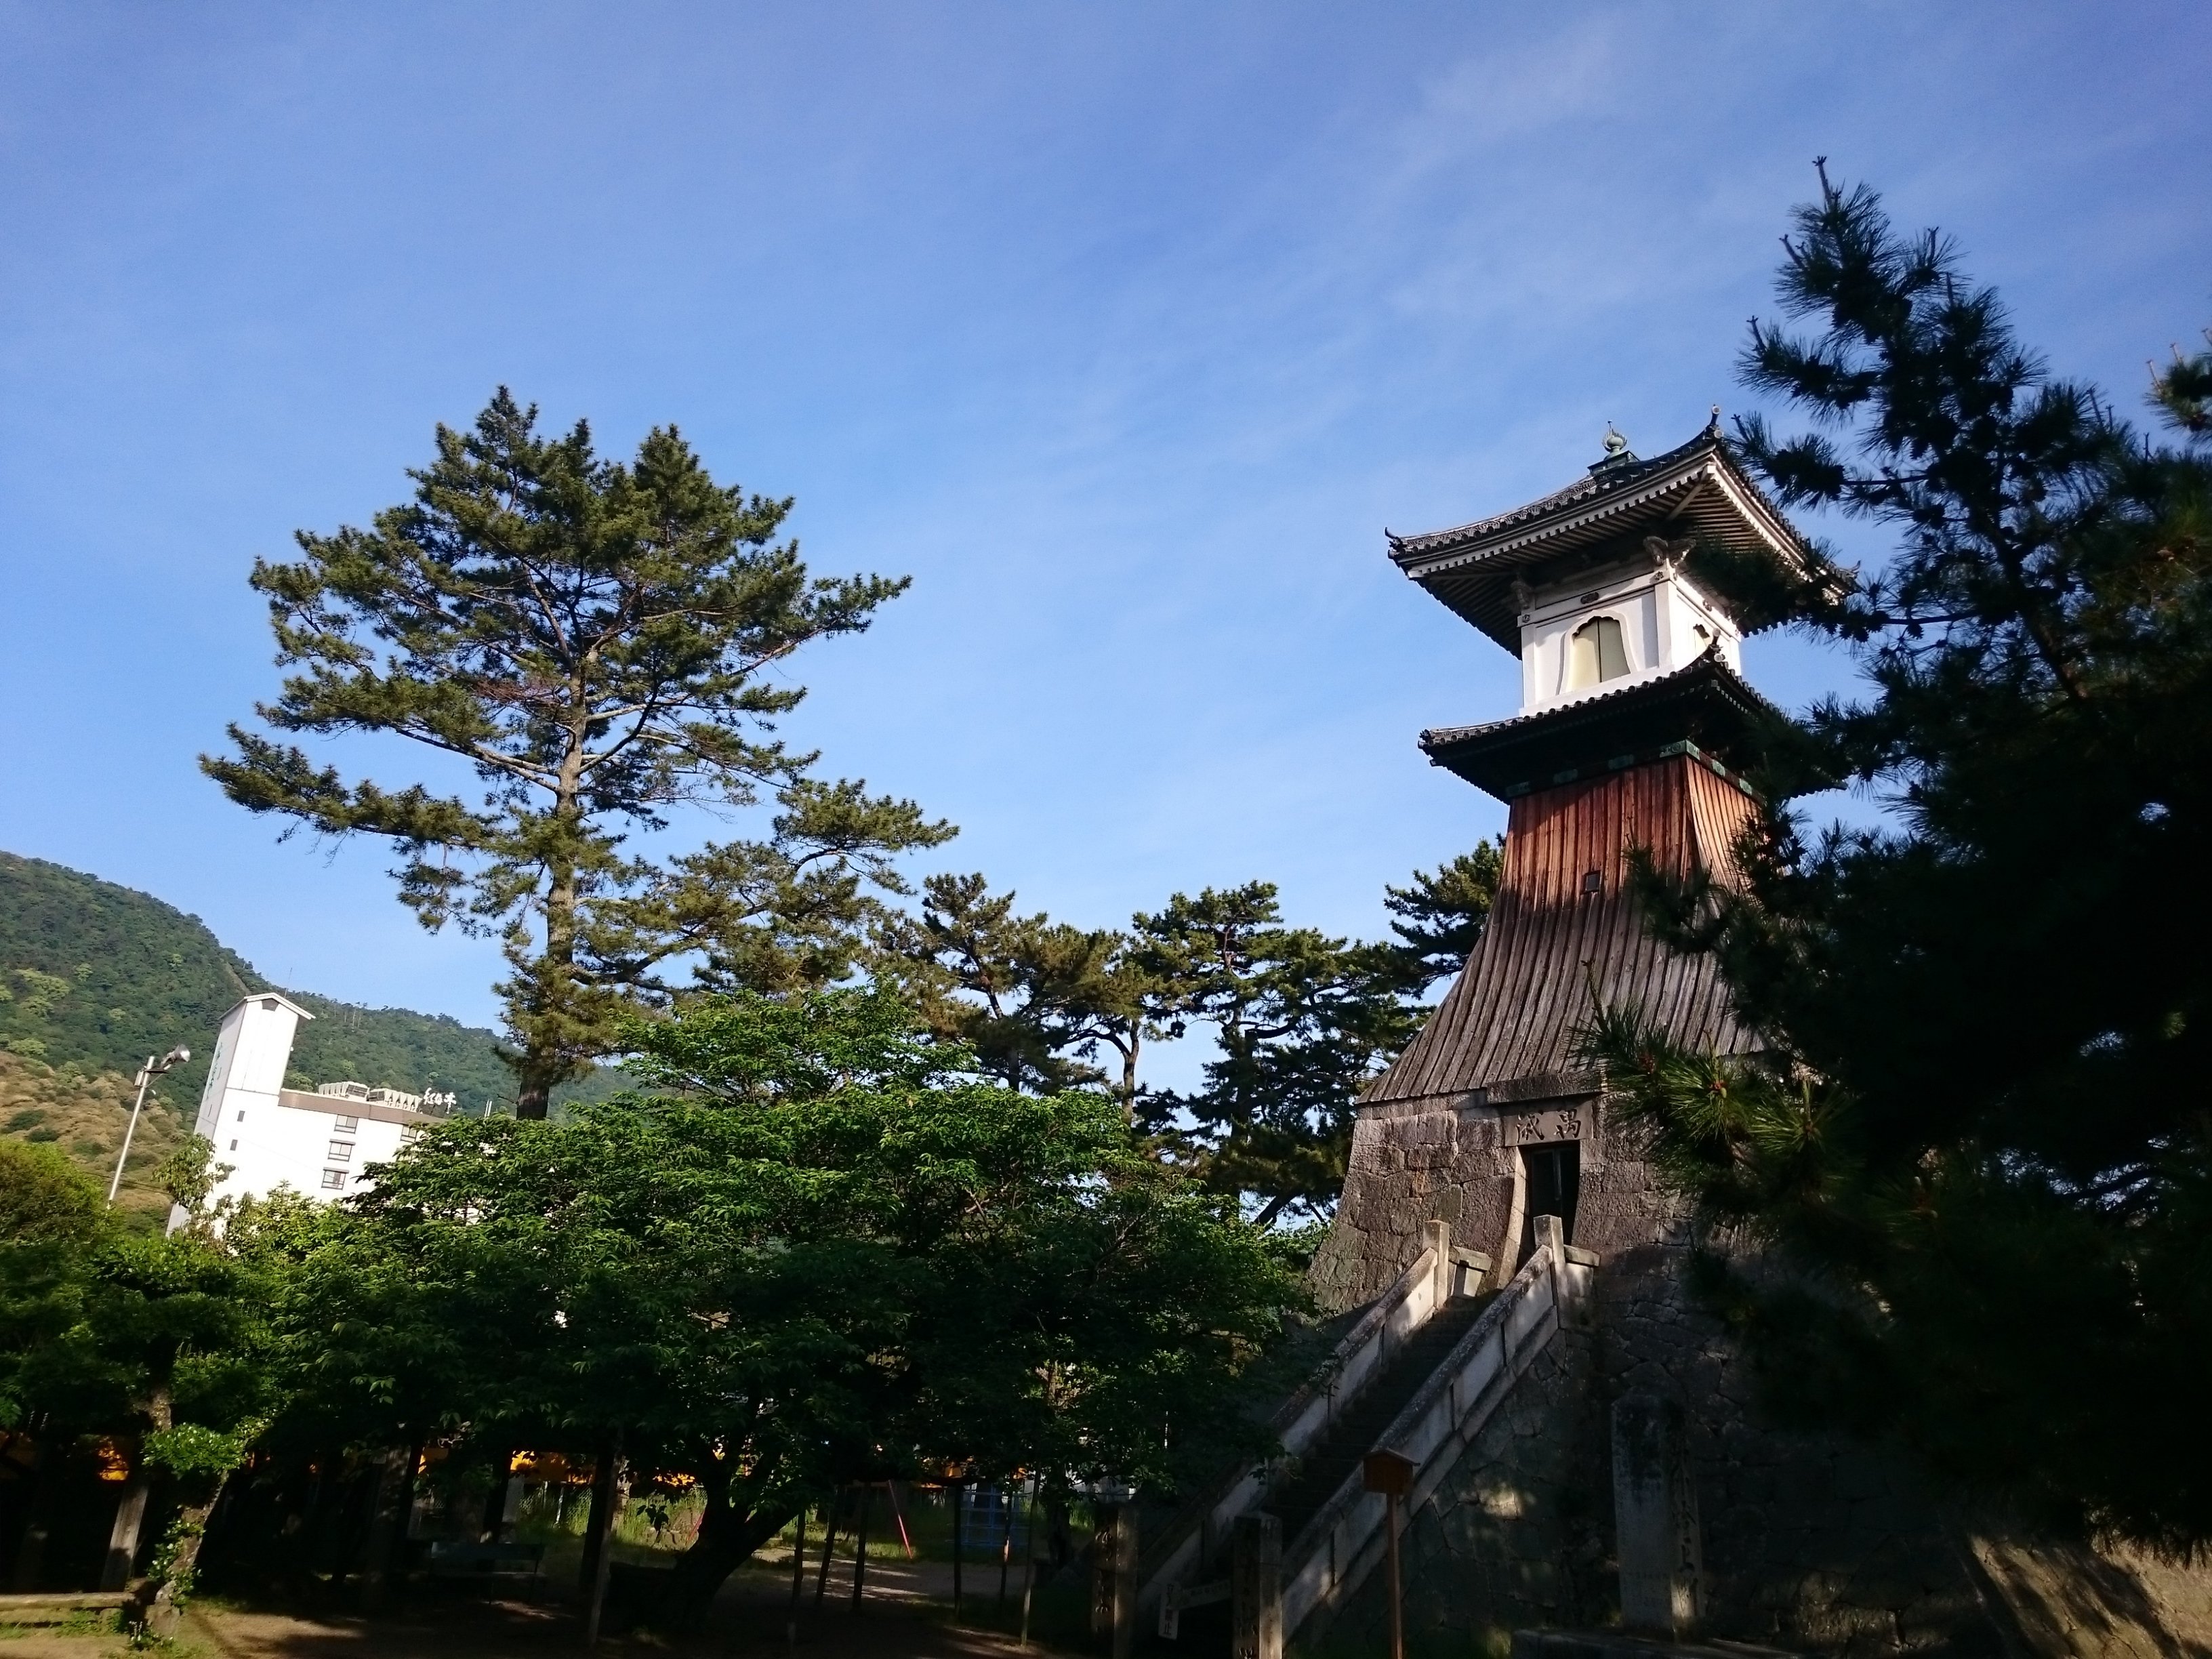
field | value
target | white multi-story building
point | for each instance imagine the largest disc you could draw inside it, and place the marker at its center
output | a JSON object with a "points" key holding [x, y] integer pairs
{"points": [[317, 1143]]}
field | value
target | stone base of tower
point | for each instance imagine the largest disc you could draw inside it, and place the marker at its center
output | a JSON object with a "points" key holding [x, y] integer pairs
{"points": [[1811, 1544]]}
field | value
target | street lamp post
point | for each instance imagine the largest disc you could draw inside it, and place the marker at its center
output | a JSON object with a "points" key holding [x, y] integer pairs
{"points": [[153, 1068]]}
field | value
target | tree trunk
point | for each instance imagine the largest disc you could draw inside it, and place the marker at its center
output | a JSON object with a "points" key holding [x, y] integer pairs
{"points": [[123, 1536], [959, 1492], [828, 1547], [162, 1612], [387, 1523], [600, 1525], [130, 1513], [1273, 1208], [600, 1549], [860, 1546], [490, 1528], [395, 1561], [1029, 1570], [543, 1063], [798, 1578], [728, 1539]]}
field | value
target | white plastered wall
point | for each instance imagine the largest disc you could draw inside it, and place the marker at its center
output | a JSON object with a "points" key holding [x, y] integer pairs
{"points": [[1667, 622]]}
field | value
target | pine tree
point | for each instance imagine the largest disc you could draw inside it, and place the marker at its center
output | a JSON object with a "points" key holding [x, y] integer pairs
{"points": [[1439, 915], [1975, 1152], [1034, 1000], [591, 639], [1300, 1022]]}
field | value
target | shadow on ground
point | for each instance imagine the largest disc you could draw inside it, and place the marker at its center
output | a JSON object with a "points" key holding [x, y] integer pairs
{"points": [[904, 1614]]}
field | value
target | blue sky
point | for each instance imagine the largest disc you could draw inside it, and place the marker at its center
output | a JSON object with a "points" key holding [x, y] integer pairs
{"points": [[1123, 328]]}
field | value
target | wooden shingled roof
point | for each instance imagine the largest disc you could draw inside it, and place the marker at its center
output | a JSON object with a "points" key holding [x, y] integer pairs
{"points": [[1505, 1031], [1696, 489]]}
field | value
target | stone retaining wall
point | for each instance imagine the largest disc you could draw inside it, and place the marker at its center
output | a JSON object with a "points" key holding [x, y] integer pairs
{"points": [[1515, 1539], [1813, 1542]]}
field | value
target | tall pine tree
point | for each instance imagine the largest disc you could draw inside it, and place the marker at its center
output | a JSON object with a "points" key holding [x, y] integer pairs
{"points": [[1975, 1152], [1300, 1022], [1034, 1000], [590, 639]]}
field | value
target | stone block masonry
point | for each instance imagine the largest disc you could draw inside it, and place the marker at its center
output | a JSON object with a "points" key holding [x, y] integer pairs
{"points": [[1513, 1538]]}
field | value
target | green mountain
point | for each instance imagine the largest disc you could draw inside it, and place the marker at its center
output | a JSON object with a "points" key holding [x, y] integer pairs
{"points": [[94, 977]]}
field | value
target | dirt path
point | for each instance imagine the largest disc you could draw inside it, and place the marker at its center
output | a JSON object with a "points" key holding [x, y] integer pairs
{"points": [[902, 1617]]}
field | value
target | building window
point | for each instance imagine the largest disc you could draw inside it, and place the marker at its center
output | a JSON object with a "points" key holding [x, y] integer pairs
{"points": [[341, 1151], [234, 1146], [241, 1117], [333, 1178], [1595, 653], [348, 1124]]}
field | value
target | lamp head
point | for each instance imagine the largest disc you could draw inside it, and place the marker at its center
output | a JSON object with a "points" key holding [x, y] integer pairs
{"points": [[176, 1056]]}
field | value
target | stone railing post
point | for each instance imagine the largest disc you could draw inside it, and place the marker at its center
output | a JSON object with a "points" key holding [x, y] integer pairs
{"points": [[1113, 1577], [1256, 1589], [1552, 1234], [1469, 1269], [1437, 1237], [1105, 1516], [1654, 1505], [1125, 1581]]}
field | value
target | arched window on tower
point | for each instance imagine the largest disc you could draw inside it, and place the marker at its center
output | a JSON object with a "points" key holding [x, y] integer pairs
{"points": [[1596, 652]]}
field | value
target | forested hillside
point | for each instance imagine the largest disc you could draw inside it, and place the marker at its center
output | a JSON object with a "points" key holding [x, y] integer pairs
{"points": [[94, 977]]}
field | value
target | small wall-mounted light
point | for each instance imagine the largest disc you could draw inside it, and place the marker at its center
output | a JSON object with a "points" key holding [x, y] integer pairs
{"points": [[1593, 882]]}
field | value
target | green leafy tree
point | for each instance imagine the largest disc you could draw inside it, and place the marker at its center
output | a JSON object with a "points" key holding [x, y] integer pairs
{"points": [[592, 639], [154, 1342], [189, 1173], [1300, 1022], [816, 1246], [1975, 1153]]}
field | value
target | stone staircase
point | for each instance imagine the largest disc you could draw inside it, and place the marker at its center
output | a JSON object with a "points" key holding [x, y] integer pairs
{"points": [[1334, 1457], [1419, 1374]]}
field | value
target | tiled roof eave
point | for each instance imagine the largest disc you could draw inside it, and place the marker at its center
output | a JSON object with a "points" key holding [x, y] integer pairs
{"points": [[1426, 555], [1709, 666], [1598, 483], [1698, 464]]}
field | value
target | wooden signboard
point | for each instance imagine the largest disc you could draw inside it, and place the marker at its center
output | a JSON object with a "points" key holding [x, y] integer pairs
{"points": [[1387, 1472], [1391, 1473]]}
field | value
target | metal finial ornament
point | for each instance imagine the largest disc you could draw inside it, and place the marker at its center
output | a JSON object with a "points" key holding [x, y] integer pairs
{"points": [[1615, 444]]}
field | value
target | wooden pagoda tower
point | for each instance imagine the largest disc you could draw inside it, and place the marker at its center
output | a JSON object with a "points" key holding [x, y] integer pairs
{"points": [[1634, 720], [1634, 724]]}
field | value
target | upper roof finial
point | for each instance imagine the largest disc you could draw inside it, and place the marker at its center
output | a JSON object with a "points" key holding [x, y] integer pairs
{"points": [[1618, 455]]}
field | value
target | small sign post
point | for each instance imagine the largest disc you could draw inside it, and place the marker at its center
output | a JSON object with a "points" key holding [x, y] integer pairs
{"points": [[1391, 1473]]}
